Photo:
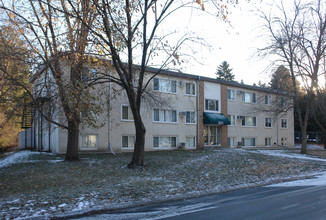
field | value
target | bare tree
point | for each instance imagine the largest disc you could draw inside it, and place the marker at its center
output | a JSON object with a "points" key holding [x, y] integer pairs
{"points": [[298, 38], [59, 44]]}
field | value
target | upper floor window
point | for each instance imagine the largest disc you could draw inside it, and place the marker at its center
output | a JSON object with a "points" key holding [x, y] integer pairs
{"points": [[231, 94], [169, 116], [268, 122], [190, 88], [165, 85], [88, 74], [268, 100], [248, 97], [284, 123], [190, 117], [211, 105], [126, 113], [249, 121], [232, 119]]}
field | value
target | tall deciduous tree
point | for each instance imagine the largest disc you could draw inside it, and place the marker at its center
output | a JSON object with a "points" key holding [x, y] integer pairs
{"points": [[129, 35], [224, 72], [298, 38], [59, 42]]}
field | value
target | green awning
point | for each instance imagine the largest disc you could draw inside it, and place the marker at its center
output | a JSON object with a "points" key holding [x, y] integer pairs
{"points": [[215, 118]]}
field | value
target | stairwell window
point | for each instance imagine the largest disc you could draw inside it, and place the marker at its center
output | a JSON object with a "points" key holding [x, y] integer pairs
{"points": [[284, 123], [232, 120], [284, 141], [126, 113], [165, 85], [211, 105], [268, 122]]}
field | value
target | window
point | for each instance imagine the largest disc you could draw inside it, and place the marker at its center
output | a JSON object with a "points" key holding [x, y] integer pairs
{"points": [[190, 88], [248, 142], [248, 97], [88, 74], [231, 141], [89, 141], [268, 122], [128, 141], [232, 119], [211, 105], [284, 123], [284, 141], [268, 100], [268, 142], [126, 113], [249, 121], [231, 94], [169, 116], [191, 117], [165, 85], [164, 142], [190, 142]]}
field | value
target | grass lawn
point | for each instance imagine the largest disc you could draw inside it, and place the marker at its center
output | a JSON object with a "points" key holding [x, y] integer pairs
{"points": [[41, 184]]}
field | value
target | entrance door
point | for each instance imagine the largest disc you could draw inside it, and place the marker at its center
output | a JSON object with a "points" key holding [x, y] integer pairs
{"points": [[212, 135]]}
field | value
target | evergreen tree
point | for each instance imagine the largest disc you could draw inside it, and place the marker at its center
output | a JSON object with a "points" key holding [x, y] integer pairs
{"points": [[224, 72]]}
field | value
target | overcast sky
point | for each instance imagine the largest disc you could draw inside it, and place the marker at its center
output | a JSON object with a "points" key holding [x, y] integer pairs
{"points": [[235, 43]]}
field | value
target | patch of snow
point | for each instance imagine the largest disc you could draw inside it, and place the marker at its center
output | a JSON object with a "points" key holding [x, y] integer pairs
{"points": [[284, 153], [319, 180], [62, 205], [17, 157], [310, 146]]}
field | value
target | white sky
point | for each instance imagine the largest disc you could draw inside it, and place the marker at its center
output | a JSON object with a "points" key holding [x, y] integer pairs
{"points": [[237, 44]]}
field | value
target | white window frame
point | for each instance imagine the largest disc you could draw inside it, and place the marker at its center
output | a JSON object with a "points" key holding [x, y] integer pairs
{"points": [[216, 103], [193, 141], [165, 116], [266, 126], [231, 97], [160, 85], [268, 139], [192, 87], [88, 142], [129, 137], [130, 115], [284, 141], [233, 144], [286, 123], [252, 138], [194, 118], [232, 118], [243, 124], [268, 100], [252, 97], [164, 146]]}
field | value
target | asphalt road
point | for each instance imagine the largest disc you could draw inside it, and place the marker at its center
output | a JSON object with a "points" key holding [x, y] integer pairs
{"points": [[296, 202]]}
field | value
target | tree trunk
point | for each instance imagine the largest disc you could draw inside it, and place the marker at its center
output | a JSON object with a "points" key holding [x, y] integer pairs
{"points": [[73, 140], [304, 141], [324, 140], [137, 161]]}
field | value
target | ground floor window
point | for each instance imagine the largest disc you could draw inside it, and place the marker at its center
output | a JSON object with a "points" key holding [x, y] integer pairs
{"points": [[212, 135], [128, 141], [284, 141], [164, 142], [89, 141], [191, 142], [248, 142], [268, 142], [231, 141]]}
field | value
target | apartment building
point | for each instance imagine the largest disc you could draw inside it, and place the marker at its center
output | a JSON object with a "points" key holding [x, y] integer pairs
{"points": [[189, 112]]}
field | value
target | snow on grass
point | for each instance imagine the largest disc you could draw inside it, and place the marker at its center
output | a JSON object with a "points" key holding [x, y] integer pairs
{"points": [[318, 180], [17, 157], [101, 181], [286, 153]]}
